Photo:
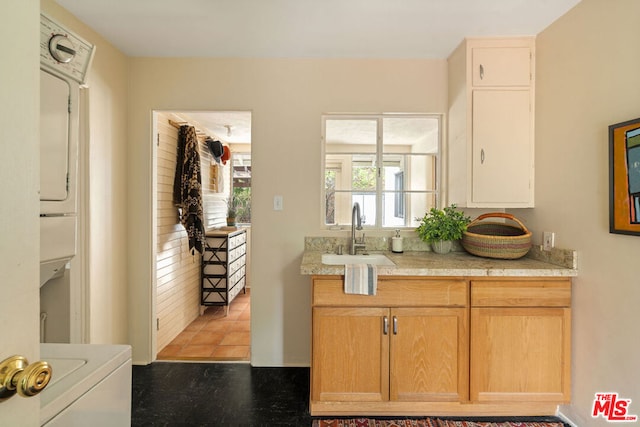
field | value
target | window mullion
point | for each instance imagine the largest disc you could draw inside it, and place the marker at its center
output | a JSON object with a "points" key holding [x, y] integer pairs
{"points": [[380, 165]]}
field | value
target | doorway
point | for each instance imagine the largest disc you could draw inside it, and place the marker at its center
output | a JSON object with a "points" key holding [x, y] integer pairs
{"points": [[189, 324]]}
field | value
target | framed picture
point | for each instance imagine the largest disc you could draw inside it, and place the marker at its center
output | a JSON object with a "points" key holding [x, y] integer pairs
{"points": [[624, 177]]}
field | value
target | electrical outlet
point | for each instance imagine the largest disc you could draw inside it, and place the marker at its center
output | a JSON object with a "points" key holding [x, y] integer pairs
{"points": [[548, 240]]}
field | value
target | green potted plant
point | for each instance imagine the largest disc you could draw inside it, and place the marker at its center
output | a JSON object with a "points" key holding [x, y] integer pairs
{"points": [[440, 227], [232, 210]]}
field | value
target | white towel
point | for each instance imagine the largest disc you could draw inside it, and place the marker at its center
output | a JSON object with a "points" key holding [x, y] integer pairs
{"points": [[360, 279]]}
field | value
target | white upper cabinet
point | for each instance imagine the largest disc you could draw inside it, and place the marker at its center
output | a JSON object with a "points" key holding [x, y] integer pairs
{"points": [[501, 153], [501, 66], [491, 123]]}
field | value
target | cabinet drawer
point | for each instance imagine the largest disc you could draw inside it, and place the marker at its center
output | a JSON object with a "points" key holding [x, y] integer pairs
{"points": [[393, 292], [516, 293], [237, 276], [236, 253], [236, 264], [237, 240]]}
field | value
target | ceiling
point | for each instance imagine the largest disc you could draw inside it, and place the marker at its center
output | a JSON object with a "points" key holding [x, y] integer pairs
{"points": [[231, 127], [304, 29], [309, 28]]}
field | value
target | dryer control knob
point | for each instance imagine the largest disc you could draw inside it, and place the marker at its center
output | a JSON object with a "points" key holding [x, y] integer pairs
{"points": [[61, 48]]}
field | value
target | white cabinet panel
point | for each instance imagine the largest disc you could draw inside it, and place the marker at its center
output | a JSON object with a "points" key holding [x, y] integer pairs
{"points": [[54, 137], [108, 404], [502, 155], [501, 66]]}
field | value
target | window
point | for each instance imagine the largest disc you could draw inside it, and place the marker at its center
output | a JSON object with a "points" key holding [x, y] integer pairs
{"points": [[388, 163], [241, 171]]}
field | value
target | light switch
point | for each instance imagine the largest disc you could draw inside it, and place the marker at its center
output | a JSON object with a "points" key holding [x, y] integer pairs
{"points": [[277, 203]]}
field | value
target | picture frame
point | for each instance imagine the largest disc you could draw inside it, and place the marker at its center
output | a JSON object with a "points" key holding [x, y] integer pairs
{"points": [[624, 178]]}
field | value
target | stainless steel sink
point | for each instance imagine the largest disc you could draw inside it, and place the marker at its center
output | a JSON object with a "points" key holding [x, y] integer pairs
{"points": [[375, 259]]}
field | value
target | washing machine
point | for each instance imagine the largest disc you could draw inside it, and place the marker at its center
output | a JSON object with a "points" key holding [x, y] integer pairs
{"points": [[90, 386]]}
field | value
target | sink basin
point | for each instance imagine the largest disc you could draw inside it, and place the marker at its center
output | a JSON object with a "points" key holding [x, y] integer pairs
{"points": [[376, 259]]}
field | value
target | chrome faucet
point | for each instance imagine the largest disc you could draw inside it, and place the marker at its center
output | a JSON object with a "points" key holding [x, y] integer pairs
{"points": [[356, 218]]}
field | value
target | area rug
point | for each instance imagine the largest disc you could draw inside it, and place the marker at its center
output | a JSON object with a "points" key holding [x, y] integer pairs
{"points": [[426, 422]]}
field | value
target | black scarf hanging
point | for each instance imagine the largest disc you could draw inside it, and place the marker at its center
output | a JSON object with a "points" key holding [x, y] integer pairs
{"points": [[187, 187]]}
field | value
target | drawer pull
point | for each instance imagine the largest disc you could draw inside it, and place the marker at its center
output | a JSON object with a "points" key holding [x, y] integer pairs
{"points": [[385, 325], [395, 325], [481, 72]]}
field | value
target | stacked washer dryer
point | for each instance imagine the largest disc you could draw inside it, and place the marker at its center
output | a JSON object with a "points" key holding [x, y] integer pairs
{"points": [[64, 62], [90, 384]]}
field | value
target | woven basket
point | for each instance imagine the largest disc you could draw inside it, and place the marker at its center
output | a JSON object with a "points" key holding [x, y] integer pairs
{"points": [[496, 239]]}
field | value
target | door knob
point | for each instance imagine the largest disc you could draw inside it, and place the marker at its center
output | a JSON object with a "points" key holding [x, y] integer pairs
{"points": [[17, 375]]}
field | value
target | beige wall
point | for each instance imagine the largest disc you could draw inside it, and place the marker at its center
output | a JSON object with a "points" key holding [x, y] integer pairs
{"points": [[107, 183], [286, 98], [587, 79]]}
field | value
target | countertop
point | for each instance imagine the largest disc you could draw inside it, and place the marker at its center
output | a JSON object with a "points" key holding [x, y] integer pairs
{"points": [[223, 231], [426, 263]]}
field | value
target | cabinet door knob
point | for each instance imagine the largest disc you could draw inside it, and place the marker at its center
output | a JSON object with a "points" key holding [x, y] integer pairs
{"points": [[385, 325], [395, 325], [481, 69], [16, 375], [482, 156]]}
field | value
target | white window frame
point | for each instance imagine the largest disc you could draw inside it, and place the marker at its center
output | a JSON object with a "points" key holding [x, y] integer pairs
{"points": [[378, 223]]}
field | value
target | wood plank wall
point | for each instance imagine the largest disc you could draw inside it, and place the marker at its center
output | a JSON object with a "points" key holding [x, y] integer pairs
{"points": [[178, 272]]}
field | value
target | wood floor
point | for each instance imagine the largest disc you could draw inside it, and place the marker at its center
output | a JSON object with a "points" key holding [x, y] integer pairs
{"points": [[214, 336]]}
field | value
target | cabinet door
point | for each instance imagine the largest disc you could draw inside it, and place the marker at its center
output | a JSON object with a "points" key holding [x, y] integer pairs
{"points": [[429, 354], [520, 354], [502, 154], [501, 66], [54, 138], [350, 355]]}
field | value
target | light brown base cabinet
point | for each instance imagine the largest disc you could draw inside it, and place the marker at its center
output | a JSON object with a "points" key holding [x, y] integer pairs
{"points": [[441, 346], [521, 340]]}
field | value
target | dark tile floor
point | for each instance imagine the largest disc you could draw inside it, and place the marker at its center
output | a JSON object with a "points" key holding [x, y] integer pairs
{"points": [[219, 394], [225, 394]]}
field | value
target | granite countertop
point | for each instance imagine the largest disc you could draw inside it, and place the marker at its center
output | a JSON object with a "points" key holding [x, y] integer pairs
{"points": [[427, 263]]}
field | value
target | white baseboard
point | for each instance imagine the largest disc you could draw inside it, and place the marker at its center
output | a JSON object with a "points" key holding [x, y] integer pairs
{"points": [[566, 414], [566, 420]]}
